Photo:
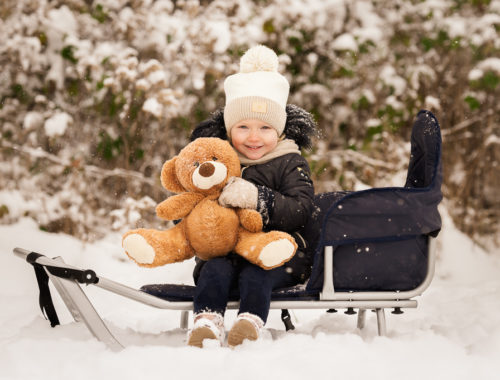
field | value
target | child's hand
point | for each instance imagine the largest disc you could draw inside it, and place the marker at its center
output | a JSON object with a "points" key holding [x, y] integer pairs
{"points": [[239, 193]]}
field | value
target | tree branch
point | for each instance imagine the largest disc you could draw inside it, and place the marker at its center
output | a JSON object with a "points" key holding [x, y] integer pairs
{"points": [[458, 127], [356, 156], [90, 169]]}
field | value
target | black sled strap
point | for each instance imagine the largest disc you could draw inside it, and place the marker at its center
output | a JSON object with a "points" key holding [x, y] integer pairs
{"points": [[45, 299], [285, 317]]}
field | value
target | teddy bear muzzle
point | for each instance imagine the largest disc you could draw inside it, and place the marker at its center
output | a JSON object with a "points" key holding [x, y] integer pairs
{"points": [[209, 174]]}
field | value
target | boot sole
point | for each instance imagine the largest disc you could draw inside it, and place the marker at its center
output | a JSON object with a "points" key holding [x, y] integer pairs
{"points": [[199, 335], [240, 331]]}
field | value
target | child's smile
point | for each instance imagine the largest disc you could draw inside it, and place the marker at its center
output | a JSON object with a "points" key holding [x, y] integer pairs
{"points": [[253, 138]]}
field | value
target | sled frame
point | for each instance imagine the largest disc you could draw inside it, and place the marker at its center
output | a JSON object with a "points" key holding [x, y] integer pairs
{"points": [[82, 309]]}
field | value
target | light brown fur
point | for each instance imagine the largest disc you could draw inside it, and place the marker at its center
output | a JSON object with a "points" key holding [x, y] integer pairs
{"points": [[207, 229]]}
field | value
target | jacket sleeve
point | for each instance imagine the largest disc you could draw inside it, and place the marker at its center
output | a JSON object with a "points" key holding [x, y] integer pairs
{"points": [[289, 206]]}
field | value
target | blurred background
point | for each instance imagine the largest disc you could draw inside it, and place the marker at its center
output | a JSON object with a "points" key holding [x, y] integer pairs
{"points": [[96, 95]]}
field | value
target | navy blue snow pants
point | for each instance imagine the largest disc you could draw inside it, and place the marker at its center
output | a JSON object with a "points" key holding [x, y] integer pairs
{"points": [[231, 276]]}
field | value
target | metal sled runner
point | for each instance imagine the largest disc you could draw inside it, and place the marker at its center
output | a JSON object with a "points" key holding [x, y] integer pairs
{"points": [[374, 250]]}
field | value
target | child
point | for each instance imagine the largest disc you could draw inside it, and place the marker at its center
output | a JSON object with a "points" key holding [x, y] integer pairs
{"points": [[267, 135]]}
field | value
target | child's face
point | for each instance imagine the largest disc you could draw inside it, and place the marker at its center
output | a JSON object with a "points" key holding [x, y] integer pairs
{"points": [[253, 138]]}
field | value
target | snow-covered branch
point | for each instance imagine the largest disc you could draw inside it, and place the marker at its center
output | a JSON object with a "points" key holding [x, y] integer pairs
{"points": [[351, 155], [76, 164]]}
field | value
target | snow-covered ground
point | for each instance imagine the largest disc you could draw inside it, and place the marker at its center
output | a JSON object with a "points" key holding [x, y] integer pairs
{"points": [[453, 334]]}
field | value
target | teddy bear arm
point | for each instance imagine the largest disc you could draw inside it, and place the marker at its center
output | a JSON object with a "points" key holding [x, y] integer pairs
{"points": [[178, 206], [251, 220]]}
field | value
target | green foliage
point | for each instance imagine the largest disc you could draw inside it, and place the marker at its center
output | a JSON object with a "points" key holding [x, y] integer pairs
{"points": [[237, 51], [73, 87], [296, 43], [442, 40], [268, 27], [183, 122], [7, 134], [4, 210], [392, 119], [472, 102], [99, 13], [361, 104], [137, 155], [318, 167], [43, 38], [413, 40], [372, 132], [488, 82], [300, 41], [316, 114], [100, 83], [343, 127], [67, 53], [136, 106], [343, 72], [109, 148], [111, 104], [475, 3], [481, 52], [18, 92], [366, 47]]}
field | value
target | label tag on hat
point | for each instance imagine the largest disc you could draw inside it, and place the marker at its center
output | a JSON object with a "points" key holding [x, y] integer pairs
{"points": [[259, 107]]}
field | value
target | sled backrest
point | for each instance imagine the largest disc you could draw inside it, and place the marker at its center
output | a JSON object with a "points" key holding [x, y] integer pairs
{"points": [[369, 229]]}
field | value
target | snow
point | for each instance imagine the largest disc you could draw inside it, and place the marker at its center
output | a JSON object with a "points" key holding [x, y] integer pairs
{"points": [[152, 106], [220, 31], [57, 124], [489, 64], [32, 120], [456, 27], [432, 102], [453, 334], [390, 78], [345, 42]]}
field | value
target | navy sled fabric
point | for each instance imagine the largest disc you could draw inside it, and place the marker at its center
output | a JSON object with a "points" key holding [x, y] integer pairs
{"points": [[176, 293], [379, 235]]}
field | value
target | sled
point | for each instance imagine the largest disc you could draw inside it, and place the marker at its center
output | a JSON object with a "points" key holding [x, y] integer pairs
{"points": [[373, 250]]}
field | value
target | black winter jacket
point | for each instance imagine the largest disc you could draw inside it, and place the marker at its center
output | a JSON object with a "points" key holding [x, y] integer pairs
{"points": [[286, 192]]}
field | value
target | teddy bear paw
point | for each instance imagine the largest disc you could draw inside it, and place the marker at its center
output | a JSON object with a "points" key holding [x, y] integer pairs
{"points": [[138, 248], [276, 253]]}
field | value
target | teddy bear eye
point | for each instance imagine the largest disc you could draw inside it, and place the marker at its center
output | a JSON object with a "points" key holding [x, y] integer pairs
{"points": [[214, 158], [196, 164]]}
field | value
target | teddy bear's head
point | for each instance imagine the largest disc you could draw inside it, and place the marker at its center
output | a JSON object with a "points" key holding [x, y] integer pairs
{"points": [[203, 166]]}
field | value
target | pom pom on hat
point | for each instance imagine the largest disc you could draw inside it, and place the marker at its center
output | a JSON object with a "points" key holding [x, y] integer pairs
{"points": [[258, 91], [259, 58]]}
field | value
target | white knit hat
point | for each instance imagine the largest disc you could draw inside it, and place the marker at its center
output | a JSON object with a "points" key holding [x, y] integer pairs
{"points": [[258, 91]]}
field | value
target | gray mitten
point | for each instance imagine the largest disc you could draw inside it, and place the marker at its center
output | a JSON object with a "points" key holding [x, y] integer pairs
{"points": [[239, 193]]}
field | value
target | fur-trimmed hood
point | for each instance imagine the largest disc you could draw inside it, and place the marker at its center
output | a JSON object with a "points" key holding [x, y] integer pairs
{"points": [[300, 126]]}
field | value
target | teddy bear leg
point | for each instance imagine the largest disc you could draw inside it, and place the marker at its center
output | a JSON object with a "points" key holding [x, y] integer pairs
{"points": [[251, 220], [152, 248], [266, 249]]}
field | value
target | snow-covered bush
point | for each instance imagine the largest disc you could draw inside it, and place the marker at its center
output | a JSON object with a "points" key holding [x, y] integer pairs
{"points": [[96, 95]]}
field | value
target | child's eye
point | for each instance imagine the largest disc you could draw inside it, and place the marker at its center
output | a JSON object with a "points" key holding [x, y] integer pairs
{"points": [[266, 127], [242, 127]]}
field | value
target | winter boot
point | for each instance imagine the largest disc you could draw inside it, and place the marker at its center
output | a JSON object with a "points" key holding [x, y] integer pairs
{"points": [[247, 326], [206, 326]]}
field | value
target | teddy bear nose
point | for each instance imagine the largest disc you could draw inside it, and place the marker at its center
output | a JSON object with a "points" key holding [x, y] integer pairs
{"points": [[206, 169]]}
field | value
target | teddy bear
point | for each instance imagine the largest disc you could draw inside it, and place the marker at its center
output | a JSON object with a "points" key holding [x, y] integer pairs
{"points": [[198, 175]]}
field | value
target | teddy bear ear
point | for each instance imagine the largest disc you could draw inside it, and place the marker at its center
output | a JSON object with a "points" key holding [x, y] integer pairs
{"points": [[169, 178]]}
